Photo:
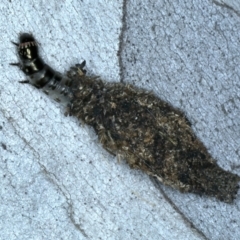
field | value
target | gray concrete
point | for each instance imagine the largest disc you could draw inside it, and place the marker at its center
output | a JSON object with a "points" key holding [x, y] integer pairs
{"points": [[56, 180]]}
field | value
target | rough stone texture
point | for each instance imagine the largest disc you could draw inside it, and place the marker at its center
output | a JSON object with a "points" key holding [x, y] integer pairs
{"points": [[234, 5], [188, 53], [56, 180]]}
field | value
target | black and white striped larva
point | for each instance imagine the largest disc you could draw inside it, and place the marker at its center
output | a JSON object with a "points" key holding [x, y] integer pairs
{"points": [[39, 74], [135, 124]]}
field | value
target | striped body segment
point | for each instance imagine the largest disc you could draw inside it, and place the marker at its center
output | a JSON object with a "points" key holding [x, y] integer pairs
{"points": [[39, 74]]}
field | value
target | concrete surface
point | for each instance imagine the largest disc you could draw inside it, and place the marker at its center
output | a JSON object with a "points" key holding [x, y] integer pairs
{"points": [[56, 180], [234, 5]]}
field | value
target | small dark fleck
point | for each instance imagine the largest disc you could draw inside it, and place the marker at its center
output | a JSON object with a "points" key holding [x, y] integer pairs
{"points": [[4, 146]]}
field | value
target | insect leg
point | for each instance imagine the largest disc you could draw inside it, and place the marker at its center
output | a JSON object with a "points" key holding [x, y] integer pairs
{"points": [[68, 110], [15, 64], [24, 81], [20, 66], [17, 44]]}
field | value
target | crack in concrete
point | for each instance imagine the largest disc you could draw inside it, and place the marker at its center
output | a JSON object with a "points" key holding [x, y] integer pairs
{"points": [[226, 6], [121, 39], [174, 206], [121, 65], [53, 180]]}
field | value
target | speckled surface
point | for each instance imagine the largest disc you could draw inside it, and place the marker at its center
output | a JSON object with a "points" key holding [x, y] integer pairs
{"points": [[188, 54], [56, 180]]}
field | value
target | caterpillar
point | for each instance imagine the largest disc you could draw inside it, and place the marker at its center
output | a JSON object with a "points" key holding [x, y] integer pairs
{"points": [[39, 74], [150, 134]]}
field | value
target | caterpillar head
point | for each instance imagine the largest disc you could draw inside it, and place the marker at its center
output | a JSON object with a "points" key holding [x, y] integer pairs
{"points": [[27, 47]]}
